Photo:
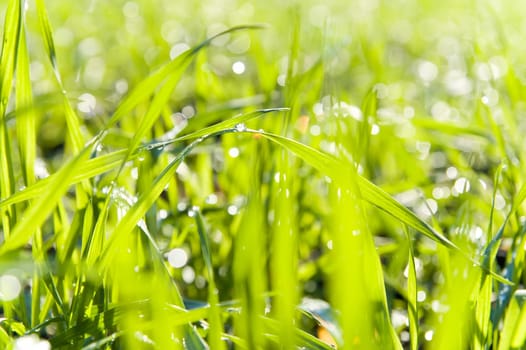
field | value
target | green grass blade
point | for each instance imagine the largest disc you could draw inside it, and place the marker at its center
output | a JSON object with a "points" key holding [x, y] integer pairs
{"points": [[148, 86], [86, 170], [483, 308], [43, 206], [340, 171], [452, 128], [238, 120], [412, 300], [111, 161], [216, 325], [518, 338], [145, 201], [26, 124], [12, 28], [49, 43], [513, 321], [249, 271], [323, 313], [302, 338], [284, 263], [72, 119]]}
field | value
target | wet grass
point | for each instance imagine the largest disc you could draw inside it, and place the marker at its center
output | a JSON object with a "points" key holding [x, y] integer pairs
{"points": [[325, 176]]}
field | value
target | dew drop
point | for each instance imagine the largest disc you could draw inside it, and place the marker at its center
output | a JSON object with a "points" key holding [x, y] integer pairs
{"points": [[181, 206], [232, 209], [134, 173], [240, 127], [429, 335], [192, 212], [211, 199]]}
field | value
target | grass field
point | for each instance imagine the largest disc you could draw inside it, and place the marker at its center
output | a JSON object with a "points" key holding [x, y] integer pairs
{"points": [[262, 175]]}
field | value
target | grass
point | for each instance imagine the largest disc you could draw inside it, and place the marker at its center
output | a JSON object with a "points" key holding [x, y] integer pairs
{"points": [[328, 175]]}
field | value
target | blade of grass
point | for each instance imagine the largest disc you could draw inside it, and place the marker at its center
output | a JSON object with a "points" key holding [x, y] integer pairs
{"points": [[249, 270], [147, 199], [412, 300], [284, 262], [25, 123], [519, 334], [323, 313], [511, 320], [216, 325], [171, 74], [302, 338], [12, 27], [451, 128], [111, 161], [336, 169], [72, 119], [505, 292], [147, 87], [483, 307], [43, 206], [86, 170]]}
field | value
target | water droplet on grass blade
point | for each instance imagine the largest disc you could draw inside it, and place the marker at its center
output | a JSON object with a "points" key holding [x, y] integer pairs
{"points": [[429, 335], [240, 127], [232, 209], [211, 199], [193, 211], [162, 214], [178, 49]]}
